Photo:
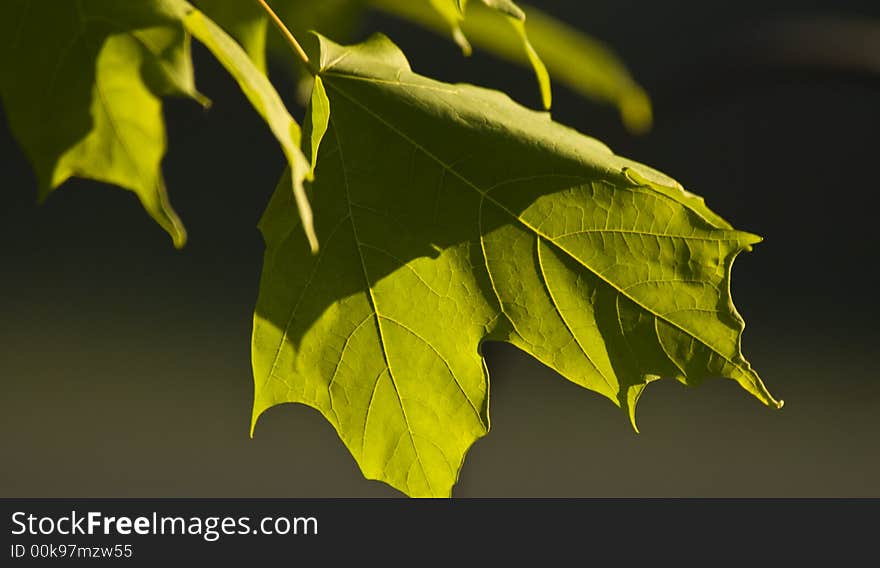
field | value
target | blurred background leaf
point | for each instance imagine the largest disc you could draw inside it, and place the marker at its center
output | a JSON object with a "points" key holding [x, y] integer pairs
{"points": [[499, 27], [555, 50], [573, 58]]}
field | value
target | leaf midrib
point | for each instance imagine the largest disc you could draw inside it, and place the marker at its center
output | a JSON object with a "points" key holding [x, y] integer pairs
{"points": [[378, 317]]}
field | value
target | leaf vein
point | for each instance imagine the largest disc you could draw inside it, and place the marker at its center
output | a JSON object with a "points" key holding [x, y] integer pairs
{"points": [[442, 358], [553, 301], [299, 300], [373, 304]]}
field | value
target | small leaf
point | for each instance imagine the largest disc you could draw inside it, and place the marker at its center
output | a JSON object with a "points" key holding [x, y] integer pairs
{"points": [[448, 216], [317, 121]]}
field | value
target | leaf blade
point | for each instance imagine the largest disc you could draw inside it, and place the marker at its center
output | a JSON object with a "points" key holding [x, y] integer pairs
{"points": [[452, 216]]}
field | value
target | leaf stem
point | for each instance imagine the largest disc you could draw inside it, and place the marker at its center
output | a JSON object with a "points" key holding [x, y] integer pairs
{"points": [[285, 31]]}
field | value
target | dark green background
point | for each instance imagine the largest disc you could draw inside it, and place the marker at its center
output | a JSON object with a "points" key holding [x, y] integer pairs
{"points": [[125, 364]]}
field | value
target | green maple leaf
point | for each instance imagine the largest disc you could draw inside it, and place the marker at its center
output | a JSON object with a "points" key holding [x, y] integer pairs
{"points": [[82, 83], [449, 216]]}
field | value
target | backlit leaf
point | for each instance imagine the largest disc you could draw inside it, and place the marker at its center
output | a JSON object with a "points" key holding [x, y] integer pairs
{"points": [[449, 215]]}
